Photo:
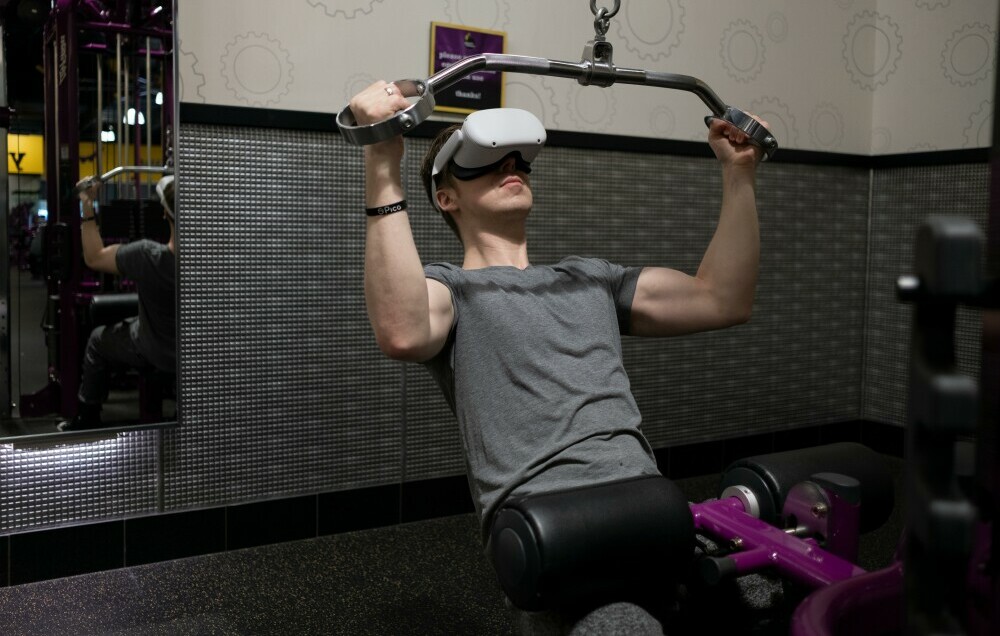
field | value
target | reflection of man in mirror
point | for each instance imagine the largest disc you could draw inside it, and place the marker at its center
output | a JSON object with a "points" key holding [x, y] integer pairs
{"points": [[146, 342]]}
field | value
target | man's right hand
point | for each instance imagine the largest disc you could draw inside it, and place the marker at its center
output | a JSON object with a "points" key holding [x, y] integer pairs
{"points": [[87, 188], [379, 102]]}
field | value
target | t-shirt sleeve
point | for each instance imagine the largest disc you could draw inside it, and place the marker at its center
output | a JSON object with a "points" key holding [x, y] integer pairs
{"points": [[129, 259], [622, 281], [441, 272], [441, 365], [623, 284], [446, 274]]}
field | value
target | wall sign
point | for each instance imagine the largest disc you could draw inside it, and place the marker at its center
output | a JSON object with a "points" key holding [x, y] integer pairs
{"points": [[482, 89]]}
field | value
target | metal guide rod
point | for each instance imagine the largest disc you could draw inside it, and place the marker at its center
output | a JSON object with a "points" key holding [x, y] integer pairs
{"points": [[100, 119], [119, 159], [149, 106], [56, 114], [6, 389]]}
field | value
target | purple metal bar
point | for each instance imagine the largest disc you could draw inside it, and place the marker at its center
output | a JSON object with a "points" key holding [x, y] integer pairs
{"points": [[94, 9], [796, 558], [95, 46], [62, 171], [137, 128], [870, 603], [751, 560], [843, 529], [153, 32]]}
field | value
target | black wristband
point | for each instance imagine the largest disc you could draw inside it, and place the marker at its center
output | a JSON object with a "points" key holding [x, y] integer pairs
{"points": [[383, 210], [88, 218]]}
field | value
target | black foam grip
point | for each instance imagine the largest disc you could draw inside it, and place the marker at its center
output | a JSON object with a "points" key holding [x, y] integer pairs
{"points": [[555, 549], [771, 477]]}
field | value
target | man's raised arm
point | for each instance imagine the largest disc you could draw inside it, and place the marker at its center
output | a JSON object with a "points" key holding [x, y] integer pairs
{"points": [[410, 314]]}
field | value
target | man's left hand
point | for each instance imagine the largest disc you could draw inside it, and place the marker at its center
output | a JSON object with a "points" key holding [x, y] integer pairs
{"points": [[731, 145]]}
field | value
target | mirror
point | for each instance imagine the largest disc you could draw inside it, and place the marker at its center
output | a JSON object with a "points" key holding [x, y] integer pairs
{"points": [[90, 343]]}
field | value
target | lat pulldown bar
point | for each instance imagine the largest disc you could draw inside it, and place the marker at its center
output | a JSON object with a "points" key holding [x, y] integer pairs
{"points": [[595, 69], [114, 172]]}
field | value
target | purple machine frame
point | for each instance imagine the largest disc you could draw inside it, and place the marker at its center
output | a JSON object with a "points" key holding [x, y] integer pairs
{"points": [[944, 579], [816, 551], [123, 29]]}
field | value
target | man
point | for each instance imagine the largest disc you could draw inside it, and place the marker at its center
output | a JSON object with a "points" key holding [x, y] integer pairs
{"points": [[145, 342], [529, 357]]}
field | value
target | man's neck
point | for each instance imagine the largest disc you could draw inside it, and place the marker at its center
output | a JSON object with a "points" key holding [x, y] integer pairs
{"points": [[496, 251]]}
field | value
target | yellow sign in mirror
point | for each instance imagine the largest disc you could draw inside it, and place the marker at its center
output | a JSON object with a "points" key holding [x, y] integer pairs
{"points": [[25, 154]]}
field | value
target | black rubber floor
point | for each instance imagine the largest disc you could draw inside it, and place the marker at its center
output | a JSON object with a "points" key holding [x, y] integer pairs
{"points": [[429, 577]]}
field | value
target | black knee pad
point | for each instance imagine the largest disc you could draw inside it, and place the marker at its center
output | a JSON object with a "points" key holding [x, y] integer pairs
{"points": [[772, 476], [557, 549]]}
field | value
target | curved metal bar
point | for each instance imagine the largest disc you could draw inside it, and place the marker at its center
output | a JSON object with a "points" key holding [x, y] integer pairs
{"points": [[398, 124], [114, 172], [573, 70], [585, 72]]}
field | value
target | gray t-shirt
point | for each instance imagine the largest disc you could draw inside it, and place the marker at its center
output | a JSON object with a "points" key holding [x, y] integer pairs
{"points": [[151, 266], [533, 371]]}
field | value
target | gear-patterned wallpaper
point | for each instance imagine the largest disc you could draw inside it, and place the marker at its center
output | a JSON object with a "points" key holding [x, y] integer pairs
{"points": [[849, 76]]}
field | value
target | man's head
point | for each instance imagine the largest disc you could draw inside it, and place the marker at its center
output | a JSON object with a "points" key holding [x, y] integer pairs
{"points": [[485, 143], [165, 190]]}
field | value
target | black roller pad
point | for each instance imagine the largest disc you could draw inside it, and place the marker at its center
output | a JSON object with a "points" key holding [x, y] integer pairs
{"points": [[772, 476], [107, 309], [599, 542]]}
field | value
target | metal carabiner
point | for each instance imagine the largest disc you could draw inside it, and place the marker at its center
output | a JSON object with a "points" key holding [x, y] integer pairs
{"points": [[602, 17], [601, 23], [607, 14]]}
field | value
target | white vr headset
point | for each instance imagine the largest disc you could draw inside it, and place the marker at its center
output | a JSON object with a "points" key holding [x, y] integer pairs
{"points": [[485, 140], [161, 187]]}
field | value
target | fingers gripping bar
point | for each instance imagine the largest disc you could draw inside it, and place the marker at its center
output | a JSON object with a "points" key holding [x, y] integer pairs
{"points": [[595, 71]]}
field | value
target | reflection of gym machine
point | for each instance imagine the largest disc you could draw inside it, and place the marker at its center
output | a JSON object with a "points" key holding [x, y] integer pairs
{"points": [[119, 120]]}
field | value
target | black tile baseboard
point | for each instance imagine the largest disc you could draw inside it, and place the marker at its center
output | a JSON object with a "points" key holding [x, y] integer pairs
{"points": [[884, 438], [53, 554], [841, 432], [273, 521], [4, 561], [435, 498], [692, 460], [61, 552], [796, 438], [174, 536], [359, 509], [748, 446]]}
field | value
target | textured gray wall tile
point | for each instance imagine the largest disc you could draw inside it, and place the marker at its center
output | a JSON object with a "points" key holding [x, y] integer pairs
{"points": [[901, 199], [284, 392], [52, 484]]}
